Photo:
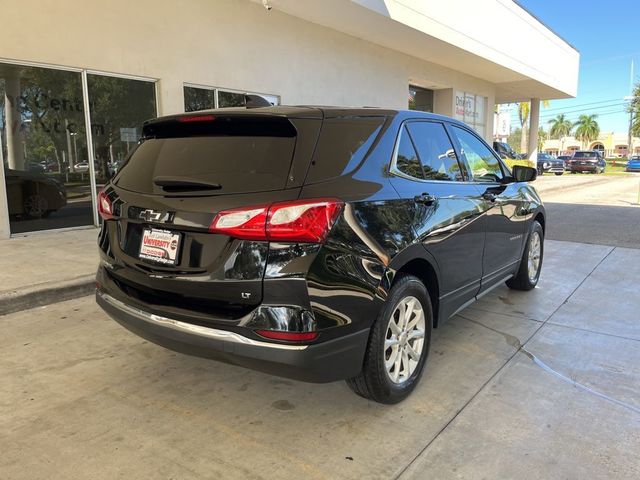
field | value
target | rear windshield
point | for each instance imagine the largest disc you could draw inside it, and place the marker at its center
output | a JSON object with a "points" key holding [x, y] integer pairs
{"points": [[233, 160], [584, 155]]}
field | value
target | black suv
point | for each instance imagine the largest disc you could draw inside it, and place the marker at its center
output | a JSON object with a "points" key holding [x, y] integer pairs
{"points": [[547, 163], [313, 243]]}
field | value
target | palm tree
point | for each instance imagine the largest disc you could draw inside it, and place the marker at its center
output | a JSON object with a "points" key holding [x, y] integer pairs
{"points": [[587, 128], [561, 126], [523, 116]]}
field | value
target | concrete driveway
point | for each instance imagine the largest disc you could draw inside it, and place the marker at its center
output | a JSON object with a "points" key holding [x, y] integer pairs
{"points": [[544, 384]]}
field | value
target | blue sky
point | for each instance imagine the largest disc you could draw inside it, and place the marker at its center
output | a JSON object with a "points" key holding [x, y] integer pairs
{"points": [[607, 35]]}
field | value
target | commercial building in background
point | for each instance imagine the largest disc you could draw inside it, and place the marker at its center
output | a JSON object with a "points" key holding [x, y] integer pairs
{"points": [[612, 145], [76, 85]]}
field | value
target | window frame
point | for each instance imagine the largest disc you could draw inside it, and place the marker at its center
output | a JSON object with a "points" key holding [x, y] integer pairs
{"points": [[394, 170], [506, 172]]}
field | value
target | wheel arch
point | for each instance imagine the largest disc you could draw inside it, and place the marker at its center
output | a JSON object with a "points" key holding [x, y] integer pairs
{"points": [[415, 261]]}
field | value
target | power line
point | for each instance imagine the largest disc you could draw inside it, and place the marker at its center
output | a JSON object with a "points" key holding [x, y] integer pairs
{"points": [[574, 113], [580, 110], [581, 105]]}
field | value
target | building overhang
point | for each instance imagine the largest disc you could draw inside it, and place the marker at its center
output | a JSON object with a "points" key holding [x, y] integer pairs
{"points": [[494, 40]]}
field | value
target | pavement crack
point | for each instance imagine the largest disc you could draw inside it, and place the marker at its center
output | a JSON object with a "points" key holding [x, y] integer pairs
{"points": [[515, 342], [536, 360]]}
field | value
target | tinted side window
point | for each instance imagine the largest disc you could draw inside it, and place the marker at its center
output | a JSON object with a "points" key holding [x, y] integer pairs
{"points": [[482, 162], [407, 160], [436, 153], [343, 143]]}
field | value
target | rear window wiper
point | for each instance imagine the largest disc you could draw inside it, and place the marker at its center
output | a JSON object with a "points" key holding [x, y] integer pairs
{"points": [[182, 184]]}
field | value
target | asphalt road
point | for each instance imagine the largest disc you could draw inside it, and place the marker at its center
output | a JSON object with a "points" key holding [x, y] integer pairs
{"points": [[593, 209]]}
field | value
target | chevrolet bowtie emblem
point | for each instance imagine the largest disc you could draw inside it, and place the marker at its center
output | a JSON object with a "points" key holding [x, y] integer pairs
{"points": [[154, 215]]}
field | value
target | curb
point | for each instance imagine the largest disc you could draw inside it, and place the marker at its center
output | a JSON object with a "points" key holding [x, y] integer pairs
{"points": [[46, 293]]}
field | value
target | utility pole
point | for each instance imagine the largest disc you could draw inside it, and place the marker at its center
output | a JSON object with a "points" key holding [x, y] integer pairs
{"points": [[632, 104]]}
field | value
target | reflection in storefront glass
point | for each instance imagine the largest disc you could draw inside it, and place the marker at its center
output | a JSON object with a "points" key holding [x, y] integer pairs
{"points": [[118, 106], [198, 99], [230, 99], [43, 148]]}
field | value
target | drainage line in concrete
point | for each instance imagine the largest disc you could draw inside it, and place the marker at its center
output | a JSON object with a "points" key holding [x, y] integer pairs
{"points": [[515, 342]]}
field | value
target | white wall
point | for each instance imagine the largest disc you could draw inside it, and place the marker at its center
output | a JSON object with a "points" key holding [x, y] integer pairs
{"points": [[226, 43]]}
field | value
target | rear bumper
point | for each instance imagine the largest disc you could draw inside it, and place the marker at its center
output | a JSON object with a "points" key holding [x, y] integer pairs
{"points": [[328, 361], [583, 168]]}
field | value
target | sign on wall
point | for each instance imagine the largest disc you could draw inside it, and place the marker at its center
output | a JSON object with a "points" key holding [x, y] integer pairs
{"points": [[470, 109]]}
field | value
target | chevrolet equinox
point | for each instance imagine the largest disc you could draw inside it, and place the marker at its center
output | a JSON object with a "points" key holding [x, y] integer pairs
{"points": [[313, 243]]}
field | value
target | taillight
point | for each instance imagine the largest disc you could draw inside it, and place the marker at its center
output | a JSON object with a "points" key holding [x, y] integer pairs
{"points": [[288, 336], [308, 220], [105, 207]]}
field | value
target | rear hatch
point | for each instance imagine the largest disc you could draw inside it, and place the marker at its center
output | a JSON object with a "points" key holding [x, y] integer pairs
{"points": [[584, 158], [165, 197]]}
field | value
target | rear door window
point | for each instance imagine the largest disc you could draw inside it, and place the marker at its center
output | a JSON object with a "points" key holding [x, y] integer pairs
{"points": [[435, 151], [238, 159]]}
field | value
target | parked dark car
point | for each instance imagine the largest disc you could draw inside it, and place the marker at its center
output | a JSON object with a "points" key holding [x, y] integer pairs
{"points": [[549, 164], [587, 161], [633, 165], [565, 159], [314, 243], [33, 194]]}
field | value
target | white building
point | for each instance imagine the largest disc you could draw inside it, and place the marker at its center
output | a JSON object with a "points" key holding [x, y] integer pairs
{"points": [[68, 64]]}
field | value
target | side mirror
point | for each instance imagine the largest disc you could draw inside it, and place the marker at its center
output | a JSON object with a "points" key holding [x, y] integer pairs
{"points": [[524, 174]]}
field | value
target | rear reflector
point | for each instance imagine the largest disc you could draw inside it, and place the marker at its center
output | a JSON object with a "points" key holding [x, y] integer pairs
{"points": [[308, 220], [197, 118], [288, 336], [105, 207]]}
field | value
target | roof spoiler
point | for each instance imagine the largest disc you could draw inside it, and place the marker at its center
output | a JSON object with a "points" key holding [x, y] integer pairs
{"points": [[256, 101]]}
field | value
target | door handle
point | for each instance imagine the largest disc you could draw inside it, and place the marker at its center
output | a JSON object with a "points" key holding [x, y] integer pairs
{"points": [[424, 198]]}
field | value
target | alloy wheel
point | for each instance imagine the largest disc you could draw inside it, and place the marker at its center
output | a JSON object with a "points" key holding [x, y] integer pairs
{"points": [[404, 340], [535, 250]]}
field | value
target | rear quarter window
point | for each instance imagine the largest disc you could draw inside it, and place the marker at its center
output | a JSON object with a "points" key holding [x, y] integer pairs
{"points": [[342, 145]]}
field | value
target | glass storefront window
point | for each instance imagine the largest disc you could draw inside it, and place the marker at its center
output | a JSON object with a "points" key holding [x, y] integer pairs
{"points": [[420, 99], [43, 148], [118, 108], [196, 98], [471, 109], [204, 98], [230, 99]]}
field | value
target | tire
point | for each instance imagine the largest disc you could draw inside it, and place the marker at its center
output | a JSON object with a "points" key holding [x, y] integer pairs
{"points": [[523, 279], [376, 382], [35, 205], [559, 173]]}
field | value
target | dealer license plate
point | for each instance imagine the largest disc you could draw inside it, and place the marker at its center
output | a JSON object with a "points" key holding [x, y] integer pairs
{"points": [[159, 246]]}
